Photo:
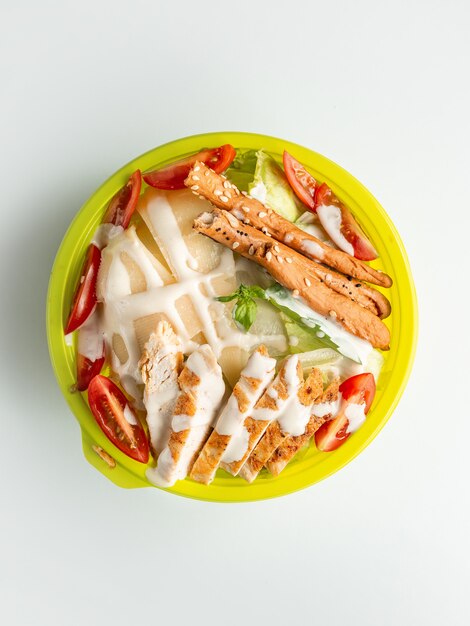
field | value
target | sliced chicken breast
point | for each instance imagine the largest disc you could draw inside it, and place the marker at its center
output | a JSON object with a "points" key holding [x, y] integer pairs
{"points": [[268, 408], [254, 378], [292, 421], [323, 409], [160, 366], [201, 392]]}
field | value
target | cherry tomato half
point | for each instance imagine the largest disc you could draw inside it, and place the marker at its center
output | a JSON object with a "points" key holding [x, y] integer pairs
{"points": [[123, 203], [300, 180], [173, 176], [348, 228], [84, 300], [117, 419], [358, 389]]}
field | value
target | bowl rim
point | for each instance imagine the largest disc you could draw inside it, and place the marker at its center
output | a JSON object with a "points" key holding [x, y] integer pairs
{"points": [[68, 261]]}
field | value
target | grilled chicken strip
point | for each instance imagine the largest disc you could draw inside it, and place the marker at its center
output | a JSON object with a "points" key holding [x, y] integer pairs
{"points": [[222, 194], [269, 406], [323, 409], [254, 378], [160, 366], [201, 392], [293, 270], [292, 422]]}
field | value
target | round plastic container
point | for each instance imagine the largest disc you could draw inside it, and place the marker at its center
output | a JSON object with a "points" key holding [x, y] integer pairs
{"points": [[310, 465]]}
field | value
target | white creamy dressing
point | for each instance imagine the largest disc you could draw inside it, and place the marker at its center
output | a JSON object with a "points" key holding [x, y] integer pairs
{"points": [[322, 409], [330, 218], [104, 233], [356, 416], [130, 415], [312, 248], [237, 446], [90, 342]]}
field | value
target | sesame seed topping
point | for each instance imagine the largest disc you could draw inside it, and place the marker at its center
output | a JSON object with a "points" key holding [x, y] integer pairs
{"points": [[195, 187], [246, 221], [280, 259], [288, 259], [224, 198], [333, 314], [244, 193], [233, 221], [196, 169], [262, 214], [264, 229], [295, 292], [277, 248], [206, 173], [227, 185], [307, 282], [269, 256], [235, 245], [217, 192], [196, 178], [195, 193], [246, 209], [251, 250], [228, 194]]}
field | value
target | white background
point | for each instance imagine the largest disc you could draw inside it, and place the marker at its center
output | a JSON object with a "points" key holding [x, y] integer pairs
{"points": [[381, 88]]}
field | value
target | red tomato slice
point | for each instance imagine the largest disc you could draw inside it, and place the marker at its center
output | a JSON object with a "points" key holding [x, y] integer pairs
{"points": [[173, 176], [109, 407], [300, 180], [358, 389], [84, 299], [349, 228], [87, 370], [122, 205]]}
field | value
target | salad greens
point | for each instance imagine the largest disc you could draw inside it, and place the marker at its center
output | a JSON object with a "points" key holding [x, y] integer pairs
{"points": [[260, 175]]}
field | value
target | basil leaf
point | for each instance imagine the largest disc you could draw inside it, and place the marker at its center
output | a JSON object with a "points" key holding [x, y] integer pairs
{"points": [[245, 312], [232, 296]]}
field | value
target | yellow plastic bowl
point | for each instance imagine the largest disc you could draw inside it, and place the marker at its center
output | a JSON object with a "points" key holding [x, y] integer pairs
{"points": [[309, 466]]}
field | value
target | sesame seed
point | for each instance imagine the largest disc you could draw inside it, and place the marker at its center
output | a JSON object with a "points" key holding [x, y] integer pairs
{"points": [[217, 192], [264, 229], [262, 214], [206, 173], [228, 194], [268, 256], [280, 259], [333, 314], [288, 259], [195, 187], [201, 198], [277, 248], [295, 293], [235, 245], [227, 185], [196, 178], [307, 282], [224, 198], [246, 209], [196, 169], [195, 193], [251, 250], [233, 221], [246, 221]]}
